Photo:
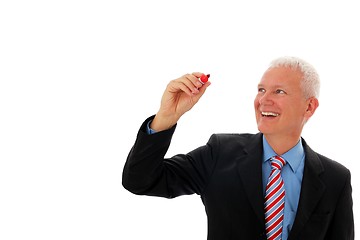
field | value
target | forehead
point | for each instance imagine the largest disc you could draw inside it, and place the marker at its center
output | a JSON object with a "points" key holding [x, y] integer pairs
{"points": [[281, 76]]}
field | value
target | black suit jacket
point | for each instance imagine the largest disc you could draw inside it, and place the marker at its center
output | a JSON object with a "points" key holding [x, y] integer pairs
{"points": [[227, 174]]}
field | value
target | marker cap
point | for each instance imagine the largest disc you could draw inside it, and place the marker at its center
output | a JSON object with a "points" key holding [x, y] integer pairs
{"points": [[204, 78]]}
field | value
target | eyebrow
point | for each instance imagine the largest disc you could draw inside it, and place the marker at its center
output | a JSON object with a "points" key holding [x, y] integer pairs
{"points": [[276, 86]]}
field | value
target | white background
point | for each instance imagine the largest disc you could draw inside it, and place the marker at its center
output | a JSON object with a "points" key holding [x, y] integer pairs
{"points": [[77, 78]]}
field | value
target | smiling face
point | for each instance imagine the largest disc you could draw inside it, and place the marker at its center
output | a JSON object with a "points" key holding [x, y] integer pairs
{"points": [[280, 105]]}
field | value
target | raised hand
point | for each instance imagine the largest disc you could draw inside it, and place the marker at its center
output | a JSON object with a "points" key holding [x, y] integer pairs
{"points": [[180, 96]]}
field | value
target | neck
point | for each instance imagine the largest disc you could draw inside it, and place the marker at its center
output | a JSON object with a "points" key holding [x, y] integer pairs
{"points": [[282, 144]]}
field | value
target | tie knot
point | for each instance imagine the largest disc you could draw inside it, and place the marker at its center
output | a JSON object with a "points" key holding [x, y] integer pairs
{"points": [[277, 162]]}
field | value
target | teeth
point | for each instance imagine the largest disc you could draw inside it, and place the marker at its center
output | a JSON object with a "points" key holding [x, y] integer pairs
{"points": [[270, 114]]}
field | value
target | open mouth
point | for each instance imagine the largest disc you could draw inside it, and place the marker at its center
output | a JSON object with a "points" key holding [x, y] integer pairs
{"points": [[269, 114]]}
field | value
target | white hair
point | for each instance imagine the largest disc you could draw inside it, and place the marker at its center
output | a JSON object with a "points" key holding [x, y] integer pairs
{"points": [[310, 82]]}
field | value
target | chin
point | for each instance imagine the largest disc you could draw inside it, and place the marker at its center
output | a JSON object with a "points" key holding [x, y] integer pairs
{"points": [[263, 129]]}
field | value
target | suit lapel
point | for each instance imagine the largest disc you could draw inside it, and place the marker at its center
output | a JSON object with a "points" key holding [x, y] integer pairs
{"points": [[312, 189], [250, 172]]}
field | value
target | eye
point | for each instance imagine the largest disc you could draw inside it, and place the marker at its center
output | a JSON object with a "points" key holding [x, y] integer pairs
{"points": [[261, 90], [280, 91]]}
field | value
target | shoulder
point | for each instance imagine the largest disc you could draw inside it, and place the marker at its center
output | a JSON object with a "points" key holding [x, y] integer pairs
{"points": [[333, 166], [322, 162], [232, 137], [321, 171], [329, 169], [233, 140]]}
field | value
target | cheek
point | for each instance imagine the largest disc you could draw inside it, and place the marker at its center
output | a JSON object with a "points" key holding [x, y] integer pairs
{"points": [[256, 103], [296, 115]]}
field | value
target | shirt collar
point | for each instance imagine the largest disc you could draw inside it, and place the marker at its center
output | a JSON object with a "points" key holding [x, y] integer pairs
{"points": [[293, 157]]}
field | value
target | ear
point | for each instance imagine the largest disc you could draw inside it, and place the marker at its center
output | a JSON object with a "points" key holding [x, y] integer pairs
{"points": [[312, 105]]}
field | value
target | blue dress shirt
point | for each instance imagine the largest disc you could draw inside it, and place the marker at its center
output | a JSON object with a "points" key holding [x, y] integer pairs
{"points": [[149, 130], [292, 174]]}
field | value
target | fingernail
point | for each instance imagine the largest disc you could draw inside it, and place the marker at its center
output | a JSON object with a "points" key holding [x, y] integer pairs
{"points": [[195, 91]]}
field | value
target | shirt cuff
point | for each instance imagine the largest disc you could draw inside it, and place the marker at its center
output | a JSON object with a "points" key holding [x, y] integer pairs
{"points": [[148, 129]]}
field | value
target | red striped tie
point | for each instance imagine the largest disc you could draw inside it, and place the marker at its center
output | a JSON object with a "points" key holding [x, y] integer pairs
{"points": [[274, 200]]}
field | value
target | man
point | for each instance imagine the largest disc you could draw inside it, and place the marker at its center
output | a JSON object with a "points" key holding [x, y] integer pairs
{"points": [[269, 185]]}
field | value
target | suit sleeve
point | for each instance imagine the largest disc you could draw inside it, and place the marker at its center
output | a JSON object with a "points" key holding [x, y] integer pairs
{"points": [[342, 225], [148, 172]]}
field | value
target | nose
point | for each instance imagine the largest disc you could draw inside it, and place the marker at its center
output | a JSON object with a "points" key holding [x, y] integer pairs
{"points": [[265, 99]]}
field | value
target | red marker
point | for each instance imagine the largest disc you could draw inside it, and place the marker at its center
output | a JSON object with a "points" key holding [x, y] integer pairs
{"points": [[204, 78]]}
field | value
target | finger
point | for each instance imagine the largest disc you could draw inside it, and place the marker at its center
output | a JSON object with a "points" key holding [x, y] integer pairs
{"points": [[188, 81], [197, 74], [194, 79], [203, 88], [202, 78], [191, 82], [180, 85]]}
